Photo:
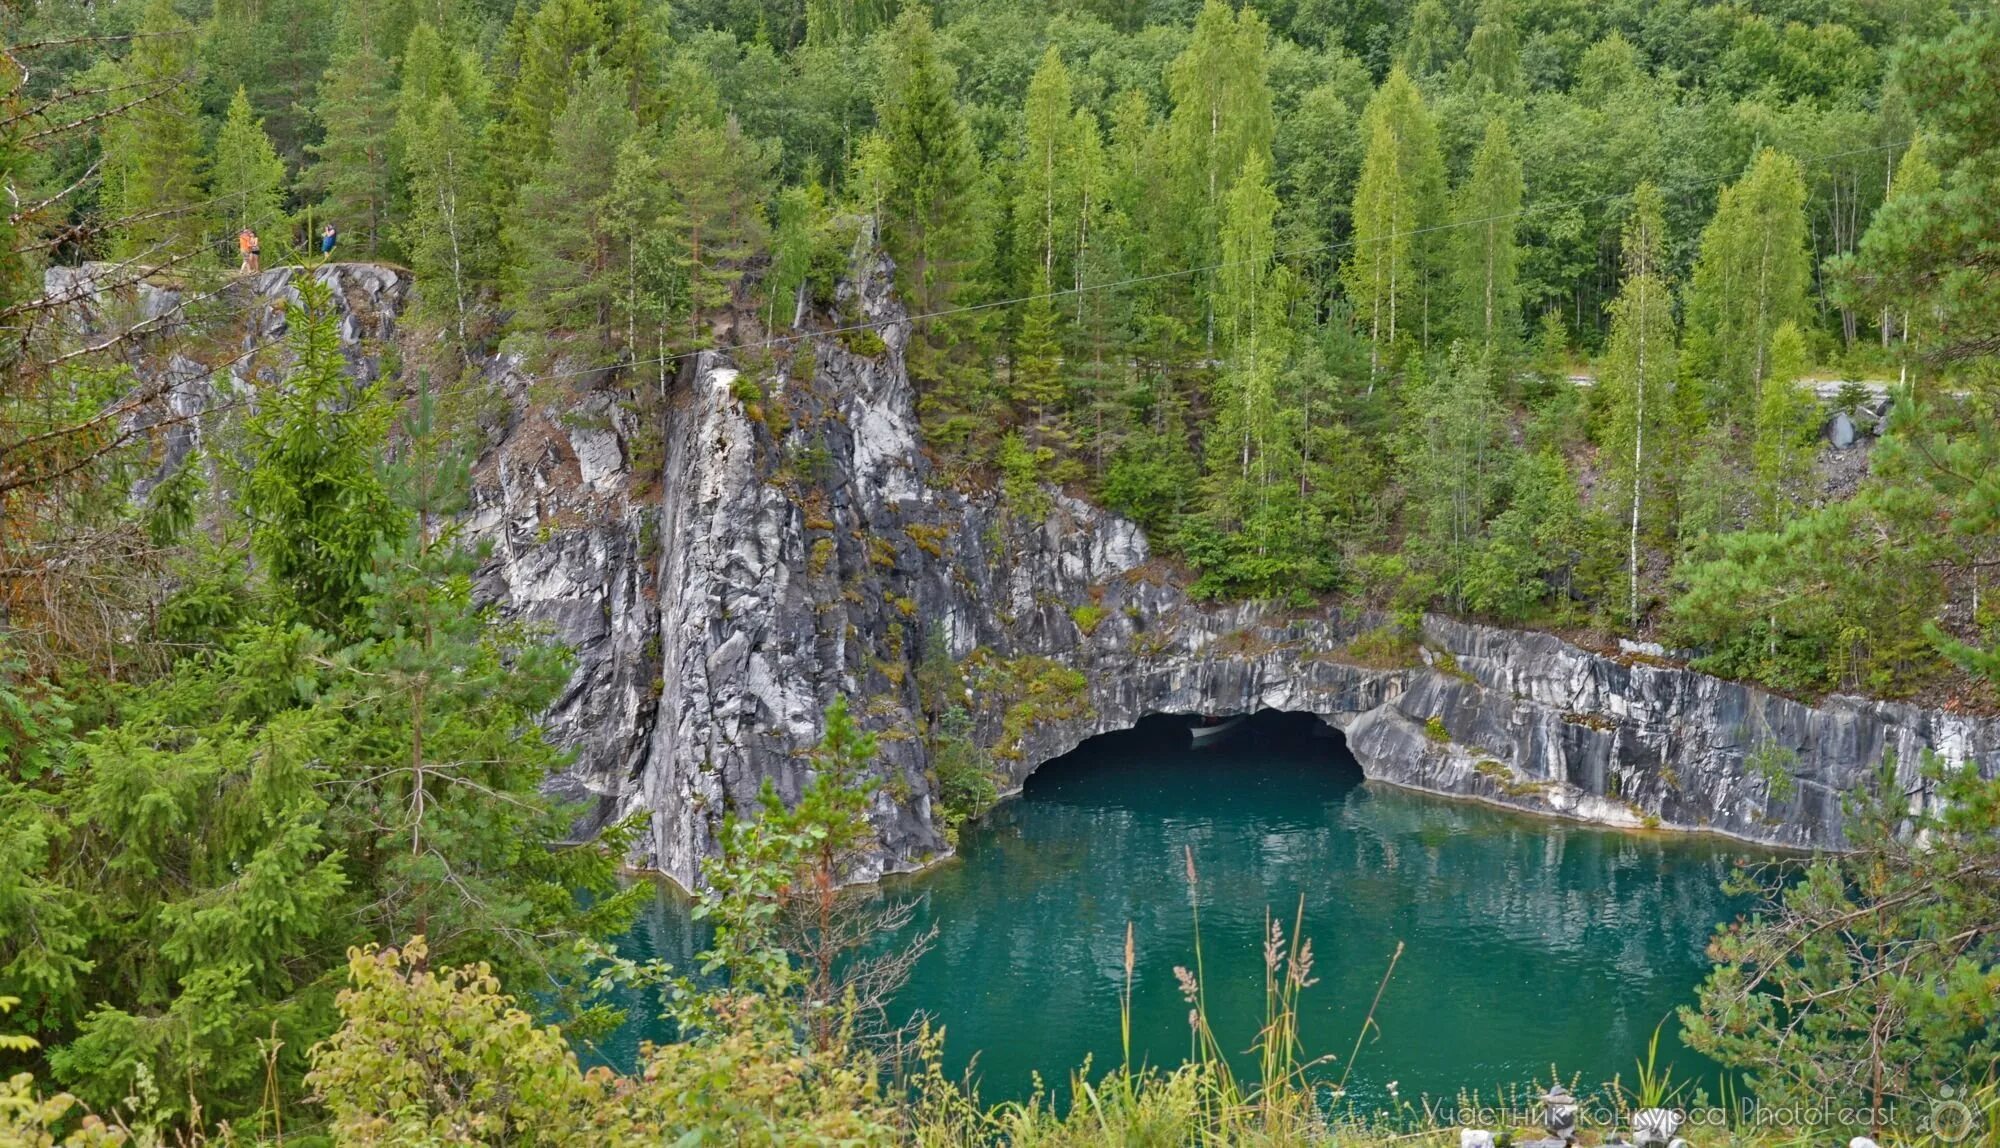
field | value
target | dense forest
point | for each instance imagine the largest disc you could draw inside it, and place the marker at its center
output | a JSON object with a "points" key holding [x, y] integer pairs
{"points": [[1203, 265], [1535, 311]]}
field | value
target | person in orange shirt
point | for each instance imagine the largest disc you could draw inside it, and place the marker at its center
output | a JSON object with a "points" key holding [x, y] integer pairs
{"points": [[246, 242]]}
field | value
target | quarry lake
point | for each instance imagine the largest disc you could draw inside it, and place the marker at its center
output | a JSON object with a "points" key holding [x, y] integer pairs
{"points": [[1528, 943]]}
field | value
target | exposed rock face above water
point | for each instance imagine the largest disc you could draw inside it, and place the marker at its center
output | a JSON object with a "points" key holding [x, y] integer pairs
{"points": [[805, 547], [778, 537]]}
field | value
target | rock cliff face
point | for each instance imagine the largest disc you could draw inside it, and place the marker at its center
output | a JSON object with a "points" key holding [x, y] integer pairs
{"points": [[804, 547], [778, 538]]}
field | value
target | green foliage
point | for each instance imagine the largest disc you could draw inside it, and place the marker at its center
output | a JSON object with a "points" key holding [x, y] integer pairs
{"points": [[1830, 598], [1534, 547], [965, 787], [317, 503], [449, 231], [1787, 430], [1487, 213], [1862, 972], [446, 1057], [152, 157], [1450, 461], [351, 163], [1023, 470], [246, 177], [715, 220], [358, 762], [1649, 420], [1751, 279], [559, 240]]}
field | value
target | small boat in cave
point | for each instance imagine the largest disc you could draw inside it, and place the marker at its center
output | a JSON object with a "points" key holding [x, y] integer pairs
{"points": [[1211, 730]]}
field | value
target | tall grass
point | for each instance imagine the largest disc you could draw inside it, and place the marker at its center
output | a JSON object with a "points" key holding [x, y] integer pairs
{"points": [[1203, 1101]]}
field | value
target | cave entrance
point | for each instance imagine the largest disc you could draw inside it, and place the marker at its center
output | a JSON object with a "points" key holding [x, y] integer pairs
{"points": [[1261, 751]]}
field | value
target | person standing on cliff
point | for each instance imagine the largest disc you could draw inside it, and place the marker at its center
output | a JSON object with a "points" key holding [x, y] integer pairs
{"points": [[328, 236], [246, 245]]}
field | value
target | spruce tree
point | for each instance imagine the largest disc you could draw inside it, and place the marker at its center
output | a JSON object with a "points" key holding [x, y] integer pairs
{"points": [[933, 168], [314, 498], [277, 52], [1488, 213], [932, 194], [431, 68], [548, 51], [246, 177], [351, 173], [152, 165], [1037, 385], [1750, 279]]}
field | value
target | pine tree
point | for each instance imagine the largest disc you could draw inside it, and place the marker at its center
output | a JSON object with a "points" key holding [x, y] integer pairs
{"points": [[560, 273], [1647, 433], [1787, 431], [351, 172], [1488, 212], [152, 172], [1750, 279], [718, 183], [246, 178]]}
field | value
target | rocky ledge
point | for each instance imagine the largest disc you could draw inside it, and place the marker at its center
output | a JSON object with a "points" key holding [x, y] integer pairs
{"points": [[776, 536]]}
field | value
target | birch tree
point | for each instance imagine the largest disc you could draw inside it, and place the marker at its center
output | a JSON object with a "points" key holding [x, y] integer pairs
{"points": [[1489, 208], [1750, 279], [1646, 430]]}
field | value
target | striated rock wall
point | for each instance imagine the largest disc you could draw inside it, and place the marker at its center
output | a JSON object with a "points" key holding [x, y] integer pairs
{"points": [[807, 548], [776, 537]]}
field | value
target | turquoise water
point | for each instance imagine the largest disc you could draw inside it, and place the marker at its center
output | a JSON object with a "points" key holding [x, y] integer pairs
{"points": [[1527, 942]]}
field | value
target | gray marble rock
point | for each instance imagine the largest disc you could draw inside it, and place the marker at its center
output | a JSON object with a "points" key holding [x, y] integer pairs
{"points": [[723, 573]]}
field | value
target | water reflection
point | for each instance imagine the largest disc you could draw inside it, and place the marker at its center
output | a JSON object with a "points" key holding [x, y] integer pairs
{"points": [[1527, 941]]}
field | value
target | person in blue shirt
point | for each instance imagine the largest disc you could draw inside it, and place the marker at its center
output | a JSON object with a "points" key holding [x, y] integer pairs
{"points": [[328, 236]]}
